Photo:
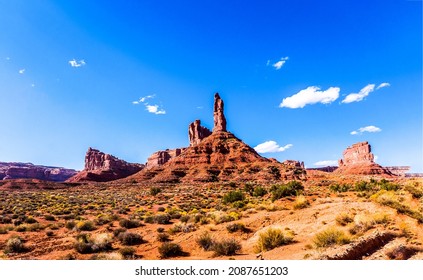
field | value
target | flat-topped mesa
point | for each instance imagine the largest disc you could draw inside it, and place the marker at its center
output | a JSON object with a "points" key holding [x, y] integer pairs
{"points": [[218, 115], [358, 153], [161, 157], [196, 132]]}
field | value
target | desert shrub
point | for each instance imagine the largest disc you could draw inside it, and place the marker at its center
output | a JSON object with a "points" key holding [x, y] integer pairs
{"points": [[30, 220], [161, 209], [49, 218], [290, 189], [340, 187], [125, 223], [236, 227], [86, 243], [14, 245], [329, 237], [85, 225], [162, 219], [3, 230], [130, 238], [103, 219], [169, 249], [49, 233], [232, 185], [107, 256], [238, 204], [249, 188], [301, 202], [127, 252], [416, 190], [271, 239], [155, 190], [163, 237], [205, 241], [185, 218], [344, 218], [259, 191], [227, 247], [70, 225], [363, 186], [149, 219], [233, 196]]}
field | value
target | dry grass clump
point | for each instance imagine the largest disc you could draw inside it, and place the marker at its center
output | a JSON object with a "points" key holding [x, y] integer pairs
{"points": [[237, 227], [301, 202], [226, 247], [329, 237], [14, 245], [85, 225], [205, 241], [86, 243], [108, 256], [344, 218], [272, 238]]}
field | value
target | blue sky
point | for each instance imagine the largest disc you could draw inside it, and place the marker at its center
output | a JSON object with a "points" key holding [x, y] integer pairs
{"points": [[300, 79]]}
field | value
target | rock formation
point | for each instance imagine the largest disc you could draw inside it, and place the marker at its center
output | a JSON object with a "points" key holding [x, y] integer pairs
{"points": [[161, 157], [219, 156], [101, 167], [17, 170], [218, 115], [196, 132], [359, 160]]}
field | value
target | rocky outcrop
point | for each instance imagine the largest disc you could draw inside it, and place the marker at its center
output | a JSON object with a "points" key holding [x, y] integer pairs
{"points": [[161, 157], [17, 170], [358, 153], [359, 160], [196, 132], [218, 115], [101, 167], [220, 156]]}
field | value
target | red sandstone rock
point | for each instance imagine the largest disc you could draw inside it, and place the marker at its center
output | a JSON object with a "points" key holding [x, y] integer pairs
{"points": [[196, 132], [17, 170], [218, 115], [161, 157], [101, 167]]}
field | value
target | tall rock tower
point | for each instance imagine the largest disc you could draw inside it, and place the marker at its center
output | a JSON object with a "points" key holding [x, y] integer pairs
{"points": [[219, 116]]}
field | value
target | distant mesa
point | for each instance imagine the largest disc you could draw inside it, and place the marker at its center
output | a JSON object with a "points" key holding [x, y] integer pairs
{"points": [[215, 156], [17, 170], [101, 167], [359, 160]]}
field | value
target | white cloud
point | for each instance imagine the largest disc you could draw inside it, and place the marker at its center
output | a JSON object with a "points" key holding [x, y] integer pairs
{"points": [[356, 97], [310, 95], [326, 163], [154, 109], [278, 65], [375, 158], [7, 58], [271, 147], [382, 85], [32, 85], [370, 128], [268, 62], [75, 63], [21, 71]]}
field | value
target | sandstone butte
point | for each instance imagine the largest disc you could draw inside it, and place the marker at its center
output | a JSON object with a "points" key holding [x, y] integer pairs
{"points": [[101, 167], [215, 156], [17, 170], [358, 159]]}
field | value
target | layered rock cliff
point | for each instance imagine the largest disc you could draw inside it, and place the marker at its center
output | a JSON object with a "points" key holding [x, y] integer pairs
{"points": [[17, 170]]}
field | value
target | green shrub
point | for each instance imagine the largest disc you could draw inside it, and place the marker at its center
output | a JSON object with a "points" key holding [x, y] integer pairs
{"points": [[227, 247], [169, 249], [271, 239], [233, 196], [259, 191], [85, 225], [340, 187], [205, 241], [291, 189], [363, 186], [329, 237], [155, 190]]}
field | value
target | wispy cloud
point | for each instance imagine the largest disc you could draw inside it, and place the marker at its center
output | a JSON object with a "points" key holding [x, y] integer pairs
{"points": [[370, 128], [75, 63], [271, 147], [364, 92], [7, 58], [326, 163], [310, 95], [154, 109], [382, 85], [278, 65], [21, 71]]}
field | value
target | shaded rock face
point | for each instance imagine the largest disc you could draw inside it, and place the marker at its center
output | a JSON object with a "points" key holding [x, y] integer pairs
{"points": [[101, 167], [359, 160], [17, 170], [218, 115], [196, 132], [358, 153], [161, 157]]}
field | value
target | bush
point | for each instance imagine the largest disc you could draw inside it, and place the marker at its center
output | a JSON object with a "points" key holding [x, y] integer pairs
{"points": [[162, 219], [329, 237], [227, 247], [127, 252], [85, 225], [130, 238], [205, 241], [301, 202], [169, 249], [290, 189], [14, 245], [344, 218], [86, 244], [109, 256], [236, 227], [259, 191], [233, 196], [125, 223], [155, 190], [163, 237], [271, 239], [363, 186], [340, 187]]}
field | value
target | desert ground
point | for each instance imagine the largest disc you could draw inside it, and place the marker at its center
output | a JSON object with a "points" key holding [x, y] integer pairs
{"points": [[324, 216]]}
